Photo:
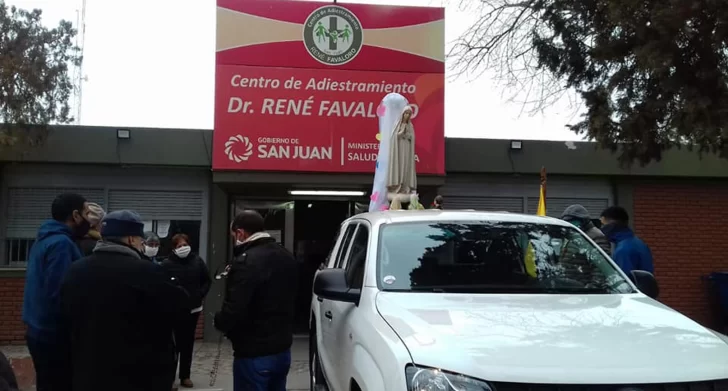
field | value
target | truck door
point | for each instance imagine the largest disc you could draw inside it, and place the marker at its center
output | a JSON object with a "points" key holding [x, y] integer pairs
{"points": [[327, 345]]}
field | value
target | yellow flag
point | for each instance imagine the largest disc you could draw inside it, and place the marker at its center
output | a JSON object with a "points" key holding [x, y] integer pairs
{"points": [[541, 211], [530, 261]]}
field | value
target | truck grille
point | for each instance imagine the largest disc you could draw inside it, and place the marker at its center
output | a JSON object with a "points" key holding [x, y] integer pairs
{"points": [[715, 385]]}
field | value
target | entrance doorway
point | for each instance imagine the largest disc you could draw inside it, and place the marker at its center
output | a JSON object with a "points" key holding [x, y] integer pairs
{"points": [[315, 226], [307, 228]]}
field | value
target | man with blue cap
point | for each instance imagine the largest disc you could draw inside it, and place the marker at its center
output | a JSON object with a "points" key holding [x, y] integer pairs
{"points": [[120, 309]]}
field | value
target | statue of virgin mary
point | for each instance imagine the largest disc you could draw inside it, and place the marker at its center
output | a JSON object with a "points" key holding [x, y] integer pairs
{"points": [[402, 177]]}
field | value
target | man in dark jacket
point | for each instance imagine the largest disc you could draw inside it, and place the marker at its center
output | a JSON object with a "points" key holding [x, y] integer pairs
{"points": [[258, 311], [49, 260], [578, 215], [120, 309], [630, 252]]}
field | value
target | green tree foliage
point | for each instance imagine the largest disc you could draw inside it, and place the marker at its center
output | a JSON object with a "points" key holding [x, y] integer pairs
{"points": [[652, 75], [35, 85]]}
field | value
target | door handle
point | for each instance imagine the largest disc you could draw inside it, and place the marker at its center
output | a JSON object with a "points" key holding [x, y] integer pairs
{"points": [[328, 315], [320, 299]]}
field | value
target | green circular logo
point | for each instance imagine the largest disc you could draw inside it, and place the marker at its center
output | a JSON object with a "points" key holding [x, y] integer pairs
{"points": [[333, 35]]}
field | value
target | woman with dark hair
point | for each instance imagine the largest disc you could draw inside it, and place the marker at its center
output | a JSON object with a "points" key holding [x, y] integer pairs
{"points": [[190, 272], [437, 203]]}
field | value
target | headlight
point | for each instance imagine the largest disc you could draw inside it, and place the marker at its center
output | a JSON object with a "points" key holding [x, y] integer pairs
{"points": [[429, 379]]}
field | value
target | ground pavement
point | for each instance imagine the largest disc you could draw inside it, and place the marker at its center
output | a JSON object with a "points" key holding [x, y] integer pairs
{"points": [[202, 364]]}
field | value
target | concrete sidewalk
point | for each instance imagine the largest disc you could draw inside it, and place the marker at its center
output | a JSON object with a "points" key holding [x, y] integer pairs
{"points": [[202, 365]]}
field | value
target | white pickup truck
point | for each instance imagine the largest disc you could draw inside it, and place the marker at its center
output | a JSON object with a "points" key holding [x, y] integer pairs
{"points": [[464, 301]]}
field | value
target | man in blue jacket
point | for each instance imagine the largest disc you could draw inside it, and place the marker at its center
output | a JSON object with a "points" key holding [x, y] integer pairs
{"points": [[49, 260], [630, 252]]}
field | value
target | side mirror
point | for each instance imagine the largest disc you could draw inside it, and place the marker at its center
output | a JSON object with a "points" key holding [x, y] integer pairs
{"points": [[330, 284], [645, 282]]}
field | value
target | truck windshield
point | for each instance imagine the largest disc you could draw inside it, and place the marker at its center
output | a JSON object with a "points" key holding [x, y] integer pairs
{"points": [[493, 257]]}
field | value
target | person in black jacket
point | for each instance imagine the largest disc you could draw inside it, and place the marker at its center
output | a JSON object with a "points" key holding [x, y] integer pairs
{"points": [[190, 272], [120, 310], [258, 310]]}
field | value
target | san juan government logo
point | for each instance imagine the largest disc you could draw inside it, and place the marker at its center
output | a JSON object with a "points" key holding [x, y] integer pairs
{"points": [[238, 148], [333, 35]]}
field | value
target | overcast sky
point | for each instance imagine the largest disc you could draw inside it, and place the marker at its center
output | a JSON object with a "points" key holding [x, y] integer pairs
{"points": [[150, 63]]}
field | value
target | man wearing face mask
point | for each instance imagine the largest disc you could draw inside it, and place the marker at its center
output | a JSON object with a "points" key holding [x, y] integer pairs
{"points": [[121, 310], [630, 252], [48, 262], [578, 215], [258, 310], [189, 272], [151, 247]]}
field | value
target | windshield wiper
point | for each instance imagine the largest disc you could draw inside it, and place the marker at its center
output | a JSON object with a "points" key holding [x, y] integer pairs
{"points": [[505, 288]]}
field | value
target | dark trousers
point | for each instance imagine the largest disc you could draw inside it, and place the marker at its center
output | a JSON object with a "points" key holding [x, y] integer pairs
{"points": [[267, 373], [184, 336], [52, 365]]}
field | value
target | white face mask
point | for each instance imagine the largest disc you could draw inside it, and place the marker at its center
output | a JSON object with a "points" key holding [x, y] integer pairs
{"points": [[183, 251], [150, 251]]}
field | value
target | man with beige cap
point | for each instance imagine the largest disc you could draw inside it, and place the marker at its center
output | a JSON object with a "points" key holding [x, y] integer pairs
{"points": [[94, 215]]}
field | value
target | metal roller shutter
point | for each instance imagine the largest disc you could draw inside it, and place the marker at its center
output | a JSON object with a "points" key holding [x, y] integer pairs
{"points": [[556, 206], [495, 204], [159, 205], [29, 207]]}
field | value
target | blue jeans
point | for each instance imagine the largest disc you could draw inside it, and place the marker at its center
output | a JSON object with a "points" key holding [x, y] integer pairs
{"points": [[267, 373]]}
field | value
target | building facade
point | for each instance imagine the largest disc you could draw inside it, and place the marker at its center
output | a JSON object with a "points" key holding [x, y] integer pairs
{"points": [[677, 205]]}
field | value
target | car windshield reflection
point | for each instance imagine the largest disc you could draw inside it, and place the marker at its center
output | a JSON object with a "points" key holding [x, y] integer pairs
{"points": [[493, 257]]}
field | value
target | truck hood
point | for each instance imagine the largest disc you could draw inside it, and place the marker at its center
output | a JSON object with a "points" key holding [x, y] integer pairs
{"points": [[566, 339]]}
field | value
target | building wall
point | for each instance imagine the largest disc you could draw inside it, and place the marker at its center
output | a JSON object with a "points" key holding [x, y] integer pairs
{"points": [[12, 330], [519, 194], [686, 226]]}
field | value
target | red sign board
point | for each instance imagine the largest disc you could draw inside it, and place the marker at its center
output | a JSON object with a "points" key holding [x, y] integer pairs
{"points": [[309, 120], [298, 83]]}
